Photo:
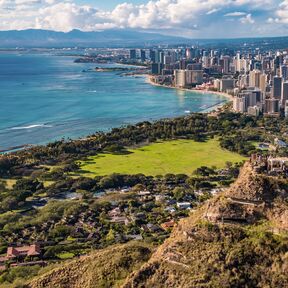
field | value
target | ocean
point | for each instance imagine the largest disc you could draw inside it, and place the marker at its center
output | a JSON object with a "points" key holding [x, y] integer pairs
{"points": [[45, 97]]}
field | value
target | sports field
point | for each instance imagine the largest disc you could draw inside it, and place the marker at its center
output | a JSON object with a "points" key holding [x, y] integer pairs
{"points": [[179, 156]]}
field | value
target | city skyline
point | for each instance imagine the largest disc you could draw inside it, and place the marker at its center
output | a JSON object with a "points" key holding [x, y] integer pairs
{"points": [[189, 18]]}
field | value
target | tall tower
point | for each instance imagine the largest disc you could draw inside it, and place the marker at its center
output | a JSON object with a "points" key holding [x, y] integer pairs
{"points": [[226, 64], [254, 78], [277, 87], [284, 94], [263, 82]]}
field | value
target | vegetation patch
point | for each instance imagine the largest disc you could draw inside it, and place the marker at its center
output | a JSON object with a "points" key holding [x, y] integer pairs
{"points": [[177, 157]]}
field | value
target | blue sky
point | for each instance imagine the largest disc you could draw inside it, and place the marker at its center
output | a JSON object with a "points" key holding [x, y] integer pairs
{"points": [[108, 4], [189, 18]]}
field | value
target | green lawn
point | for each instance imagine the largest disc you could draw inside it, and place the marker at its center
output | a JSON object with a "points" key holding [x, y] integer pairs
{"points": [[65, 255], [178, 156]]}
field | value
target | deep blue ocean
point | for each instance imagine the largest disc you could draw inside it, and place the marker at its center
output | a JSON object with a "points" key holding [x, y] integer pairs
{"points": [[44, 97]]}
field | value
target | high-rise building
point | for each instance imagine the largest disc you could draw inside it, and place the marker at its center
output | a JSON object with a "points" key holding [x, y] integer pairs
{"points": [[227, 84], [162, 55], [263, 82], [205, 61], [133, 54], [238, 62], [174, 56], [143, 55], [284, 93], [156, 68], [277, 87], [157, 56], [247, 99], [226, 64], [152, 56], [188, 53], [194, 66], [284, 72], [217, 83], [254, 78], [194, 77], [243, 81], [167, 60], [180, 78], [272, 106], [286, 108], [183, 64], [240, 103]]}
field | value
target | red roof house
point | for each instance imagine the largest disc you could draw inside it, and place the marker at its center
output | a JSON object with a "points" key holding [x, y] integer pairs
{"points": [[15, 252]]}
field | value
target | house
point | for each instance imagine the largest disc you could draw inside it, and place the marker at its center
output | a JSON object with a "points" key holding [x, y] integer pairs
{"points": [[151, 228], [171, 201], [22, 252], [3, 261], [115, 212], [134, 237], [138, 216], [183, 205], [144, 193], [170, 210], [125, 189], [279, 143], [160, 198], [168, 225], [264, 146], [120, 220], [277, 165]]}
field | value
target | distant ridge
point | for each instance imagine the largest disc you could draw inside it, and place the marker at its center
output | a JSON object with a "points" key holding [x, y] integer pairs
{"points": [[112, 38], [37, 38]]}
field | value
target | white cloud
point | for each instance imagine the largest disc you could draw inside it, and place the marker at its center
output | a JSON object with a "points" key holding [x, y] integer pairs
{"points": [[235, 14], [247, 19], [169, 15], [215, 10], [281, 13]]}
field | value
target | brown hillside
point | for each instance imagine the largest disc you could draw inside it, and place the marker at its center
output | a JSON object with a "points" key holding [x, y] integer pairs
{"points": [[229, 242], [105, 268]]}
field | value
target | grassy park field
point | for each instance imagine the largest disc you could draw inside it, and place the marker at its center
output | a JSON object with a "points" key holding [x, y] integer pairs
{"points": [[178, 156]]}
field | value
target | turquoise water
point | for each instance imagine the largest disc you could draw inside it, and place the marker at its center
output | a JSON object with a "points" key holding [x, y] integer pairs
{"points": [[44, 97]]}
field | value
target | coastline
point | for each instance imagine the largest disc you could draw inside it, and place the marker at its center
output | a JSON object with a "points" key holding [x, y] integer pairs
{"points": [[22, 144], [226, 95]]}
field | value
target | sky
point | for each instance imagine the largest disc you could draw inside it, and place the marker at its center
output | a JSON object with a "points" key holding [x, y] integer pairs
{"points": [[187, 18]]}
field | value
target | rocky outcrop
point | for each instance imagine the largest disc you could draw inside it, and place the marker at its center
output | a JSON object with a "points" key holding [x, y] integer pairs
{"points": [[238, 239]]}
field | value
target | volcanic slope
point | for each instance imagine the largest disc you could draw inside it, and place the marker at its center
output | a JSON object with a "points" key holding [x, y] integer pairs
{"points": [[238, 239]]}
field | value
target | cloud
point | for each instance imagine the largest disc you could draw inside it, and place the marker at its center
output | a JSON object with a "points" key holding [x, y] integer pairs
{"points": [[235, 14], [67, 16], [281, 14], [212, 11], [189, 17], [247, 19]]}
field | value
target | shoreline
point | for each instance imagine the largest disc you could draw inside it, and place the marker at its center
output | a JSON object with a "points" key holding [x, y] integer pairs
{"points": [[212, 109], [226, 95]]}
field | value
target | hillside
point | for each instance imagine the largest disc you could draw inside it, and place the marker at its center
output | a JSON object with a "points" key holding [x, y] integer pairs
{"points": [[229, 242], [104, 268], [237, 239]]}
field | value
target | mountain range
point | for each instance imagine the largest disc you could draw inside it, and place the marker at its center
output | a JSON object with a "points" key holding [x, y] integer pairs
{"points": [[117, 38], [112, 38]]}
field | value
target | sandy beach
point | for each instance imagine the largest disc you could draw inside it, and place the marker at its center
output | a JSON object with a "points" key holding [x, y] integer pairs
{"points": [[226, 95]]}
